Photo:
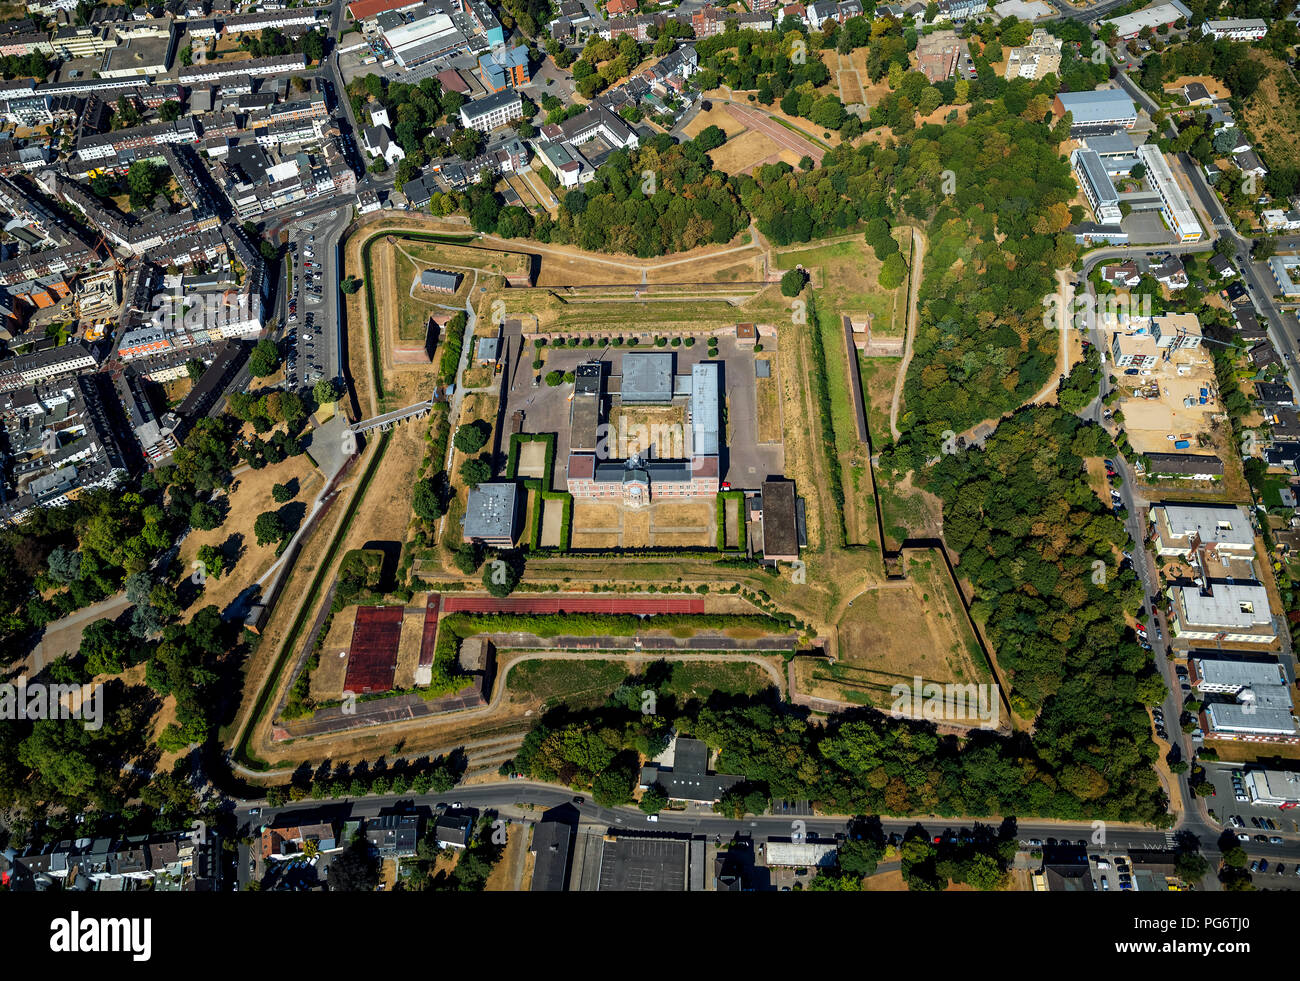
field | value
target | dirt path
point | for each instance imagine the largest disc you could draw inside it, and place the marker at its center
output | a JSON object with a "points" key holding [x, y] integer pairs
{"points": [[512, 245], [857, 80], [918, 260], [328, 744]]}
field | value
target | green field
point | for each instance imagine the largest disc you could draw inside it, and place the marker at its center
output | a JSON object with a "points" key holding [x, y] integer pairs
{"points": [[579, 683], [846, 274]]}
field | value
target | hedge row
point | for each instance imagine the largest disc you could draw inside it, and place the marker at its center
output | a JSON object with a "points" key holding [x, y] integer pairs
{"points": [[827, 423], [723, 498], [452, 343], [516, 442], [603, 624]]}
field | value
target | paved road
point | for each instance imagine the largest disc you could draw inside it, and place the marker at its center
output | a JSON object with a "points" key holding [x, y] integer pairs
{"points": [[1284, 331], [63, 636], [506, 797]]}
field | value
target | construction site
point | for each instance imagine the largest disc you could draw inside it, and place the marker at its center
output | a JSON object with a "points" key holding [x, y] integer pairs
{"points": [[1170, 397]]}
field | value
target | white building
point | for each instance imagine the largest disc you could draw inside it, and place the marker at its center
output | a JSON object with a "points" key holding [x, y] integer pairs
{"points": [[1096, 186], [1234, 30], [1272, 788], [1180, 528], [1176, 210], [1166, 14], [1226, 612], [492, 111]]}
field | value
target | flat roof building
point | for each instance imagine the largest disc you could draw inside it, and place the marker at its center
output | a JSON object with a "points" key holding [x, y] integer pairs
{"points": [[492, 110], [1161, 15], [802, 854], [780, 521], [1182, 528], [647, 378], [1226, 676], [1235, 30], [1104, 111], [1226, 612], [1272, 788], [492, 513], [1187, 466], [703, 410], [553, 851], [1176, 209], [1095, 183]]}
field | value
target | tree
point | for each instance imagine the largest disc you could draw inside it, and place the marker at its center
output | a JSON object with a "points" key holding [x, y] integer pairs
{"points": [[654, 800], [471, 437], [427, 502], [554, 378], [281, 493], [984, 873], [860, 856], [213, 561], [468, 557], [269, 528], [792, 283], [1191, 867], [475, 471], [145, 179], [355, 870], [265, 359], [350, 284], [326, 391], [503, 573], [106, 648], [64, 565], [205, 516], [170, 111], [893, 272]]}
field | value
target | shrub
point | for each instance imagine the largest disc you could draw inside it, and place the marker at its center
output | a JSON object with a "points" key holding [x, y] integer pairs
{"points": [[793, 282]]}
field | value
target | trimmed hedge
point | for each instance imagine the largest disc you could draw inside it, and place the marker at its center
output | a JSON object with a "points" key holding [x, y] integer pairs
{"points": [[723, 498], [610, 624], [512, 456], [544, 491]]}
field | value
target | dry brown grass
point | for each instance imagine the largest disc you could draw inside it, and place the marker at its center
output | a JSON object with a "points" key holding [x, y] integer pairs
{"points": [[250, 496], [328, 678], [768, 400], [1272, 114], [745, 152]]}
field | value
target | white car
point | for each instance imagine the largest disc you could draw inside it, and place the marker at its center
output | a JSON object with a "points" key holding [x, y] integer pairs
{"points": [[652, 817]]}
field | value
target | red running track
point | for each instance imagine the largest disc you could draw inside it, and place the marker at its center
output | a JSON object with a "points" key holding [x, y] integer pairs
{"points": [[571, 604]]}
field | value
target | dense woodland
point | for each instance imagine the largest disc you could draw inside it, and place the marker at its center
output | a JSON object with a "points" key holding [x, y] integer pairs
{"points": [[663, 197]]}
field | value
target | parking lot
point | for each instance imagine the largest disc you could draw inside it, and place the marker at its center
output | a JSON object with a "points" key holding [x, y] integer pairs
{"points": [[307, 346]]}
